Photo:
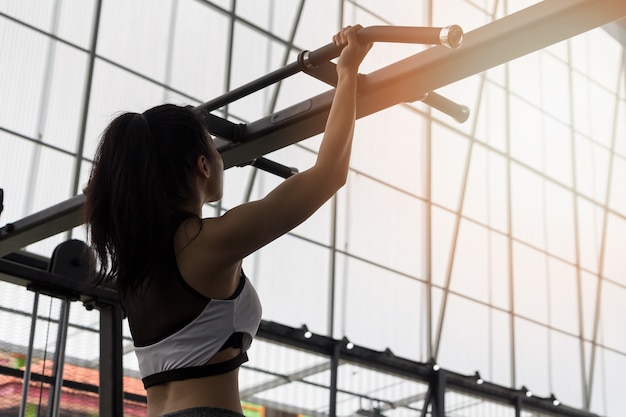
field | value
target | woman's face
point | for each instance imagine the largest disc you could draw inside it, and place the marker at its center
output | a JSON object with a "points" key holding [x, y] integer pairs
{"points": [[216, 180]]}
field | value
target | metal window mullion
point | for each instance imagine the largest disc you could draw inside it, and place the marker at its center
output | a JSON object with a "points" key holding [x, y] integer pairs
{"points": [[332, 273], [86, 99], [489, 237], [169, 56], [603, 245], [586, 395], [289, 47], [544, 223], [229, 55], [43, 109], [458, 218], [507, 112], [428, 218]]}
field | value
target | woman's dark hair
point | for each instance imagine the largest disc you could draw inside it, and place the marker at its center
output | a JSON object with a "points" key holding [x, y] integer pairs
{"points": [[142, 173]]}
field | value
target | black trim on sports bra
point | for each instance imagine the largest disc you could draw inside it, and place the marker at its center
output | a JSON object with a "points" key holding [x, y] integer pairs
{"points": [[234, 341], [195, 371]]}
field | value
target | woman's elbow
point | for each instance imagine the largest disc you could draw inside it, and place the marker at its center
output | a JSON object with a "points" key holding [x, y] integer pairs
{"points": [[339, 178], [331, 178]]}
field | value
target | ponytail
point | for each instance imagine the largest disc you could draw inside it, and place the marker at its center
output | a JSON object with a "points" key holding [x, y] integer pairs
{"points": [[142, 173]]}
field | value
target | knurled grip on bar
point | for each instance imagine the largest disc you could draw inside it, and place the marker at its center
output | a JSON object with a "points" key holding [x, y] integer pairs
{"points": [[449, 36]]}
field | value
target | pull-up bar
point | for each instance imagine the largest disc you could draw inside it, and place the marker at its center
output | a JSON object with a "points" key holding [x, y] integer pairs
{"points": [[308, 61], [318, 64], [449, 36]]}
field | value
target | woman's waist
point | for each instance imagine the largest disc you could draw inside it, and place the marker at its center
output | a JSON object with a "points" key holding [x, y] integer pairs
{"points": [[218, 391]]}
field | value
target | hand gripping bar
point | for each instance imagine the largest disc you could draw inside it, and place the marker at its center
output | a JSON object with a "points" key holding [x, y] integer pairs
{"points": [[449, 36]]}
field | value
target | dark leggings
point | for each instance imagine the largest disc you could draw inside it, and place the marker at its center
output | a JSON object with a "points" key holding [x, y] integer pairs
{"points": [[203, 412]]}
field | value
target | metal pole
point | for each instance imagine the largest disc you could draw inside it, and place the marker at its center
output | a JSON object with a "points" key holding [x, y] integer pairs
{"points": [[59, 360], [439, 394], [518, 406], [334, 370], [332, 268], [427, 170], [29, 356], [111, 395]]}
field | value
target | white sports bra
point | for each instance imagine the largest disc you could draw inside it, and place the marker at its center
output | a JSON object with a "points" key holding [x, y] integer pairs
{"points": [[176, 330], [184, 354]]}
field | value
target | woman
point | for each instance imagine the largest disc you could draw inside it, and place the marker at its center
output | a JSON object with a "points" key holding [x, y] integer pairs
{"points": [[191, 310]]}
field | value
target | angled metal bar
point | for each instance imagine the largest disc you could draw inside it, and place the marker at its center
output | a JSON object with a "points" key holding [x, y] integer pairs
{"points": [[518, 34], [455, 236], [577, 240], [292, 36], [403, 402], [603, 246], [86, 99], [45, 223]]}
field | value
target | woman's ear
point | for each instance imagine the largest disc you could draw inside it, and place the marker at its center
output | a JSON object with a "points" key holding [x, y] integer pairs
{"points": [[204, 168]]}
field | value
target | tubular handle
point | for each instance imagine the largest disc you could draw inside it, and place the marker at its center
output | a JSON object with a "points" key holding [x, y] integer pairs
{"points": [[449, 36], [274, 167], [458, 112]]}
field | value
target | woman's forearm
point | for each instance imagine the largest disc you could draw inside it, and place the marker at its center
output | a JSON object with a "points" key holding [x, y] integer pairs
{"points": [[336, 146]]}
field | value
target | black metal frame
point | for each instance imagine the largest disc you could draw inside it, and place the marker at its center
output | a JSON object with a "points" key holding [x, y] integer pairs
{"points": [[27, 270]]}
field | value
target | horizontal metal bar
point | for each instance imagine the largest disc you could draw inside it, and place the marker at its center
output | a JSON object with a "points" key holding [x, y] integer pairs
{"points": [[55, 285]]}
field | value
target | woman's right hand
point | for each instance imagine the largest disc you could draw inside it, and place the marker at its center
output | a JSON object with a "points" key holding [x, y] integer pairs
{"points": [[250, 226], [353, 52]]}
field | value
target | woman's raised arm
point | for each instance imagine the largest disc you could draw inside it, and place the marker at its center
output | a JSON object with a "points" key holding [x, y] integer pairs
{"points": [[250, 226]]}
